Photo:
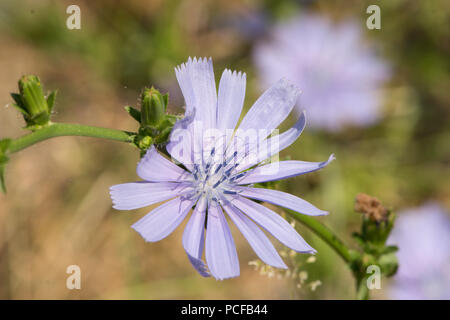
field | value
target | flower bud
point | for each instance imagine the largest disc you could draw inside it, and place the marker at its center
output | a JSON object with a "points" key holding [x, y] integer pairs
{"points": [[153, 107], [31, 102]]}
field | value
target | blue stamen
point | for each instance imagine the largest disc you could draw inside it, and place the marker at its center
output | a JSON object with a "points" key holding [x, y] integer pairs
{"points": [[218, 168]]}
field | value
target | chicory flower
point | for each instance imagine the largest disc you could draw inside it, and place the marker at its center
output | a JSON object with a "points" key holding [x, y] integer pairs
{"points": [[217, 166]]}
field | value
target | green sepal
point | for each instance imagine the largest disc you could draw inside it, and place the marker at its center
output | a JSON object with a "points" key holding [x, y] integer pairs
{"points": [[163, 136], [165, 98], [19, 104], [390, 249], [388, 264], [51, 100], [134, 113]]}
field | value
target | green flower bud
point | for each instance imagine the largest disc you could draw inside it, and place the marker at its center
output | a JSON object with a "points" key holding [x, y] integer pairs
{"points": [[145, 143], [155, 123], [31, 102], [153, 107]]}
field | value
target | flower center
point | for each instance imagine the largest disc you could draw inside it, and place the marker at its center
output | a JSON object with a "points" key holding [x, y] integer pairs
{"points": [[212, 179]]}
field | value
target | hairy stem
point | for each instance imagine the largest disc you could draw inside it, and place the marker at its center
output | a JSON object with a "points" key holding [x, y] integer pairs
{"points": [[65, 129]]}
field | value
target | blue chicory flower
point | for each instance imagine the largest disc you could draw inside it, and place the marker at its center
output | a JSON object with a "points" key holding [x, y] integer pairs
{"points": [[339, 75], [423, 237], [220, 166]]}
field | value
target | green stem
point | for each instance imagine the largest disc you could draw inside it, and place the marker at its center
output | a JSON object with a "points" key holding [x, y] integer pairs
{"points": [[362, 292], [324, 233], [65, 129]]}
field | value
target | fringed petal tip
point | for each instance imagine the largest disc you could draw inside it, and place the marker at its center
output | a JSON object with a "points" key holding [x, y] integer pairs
{"points": [[191, 61], [236, 74], [115, 198], [115, 203]]}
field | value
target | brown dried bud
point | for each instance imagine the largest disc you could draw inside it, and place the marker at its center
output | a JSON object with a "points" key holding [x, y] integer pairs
{"points": [[371, 207]]}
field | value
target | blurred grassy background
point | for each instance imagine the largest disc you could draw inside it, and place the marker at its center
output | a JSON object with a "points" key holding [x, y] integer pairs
{"points": [[58, 210]]}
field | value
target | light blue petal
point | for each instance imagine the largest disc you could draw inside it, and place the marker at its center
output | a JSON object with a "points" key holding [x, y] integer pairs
{"points": [[255, 237], [272, 146], [193, 238], [282, 199], [134, 195], [196, 80], [221, 255], [231, 99], [272, 107], [272, 223], [163, 220], [155, 167], [282, 170]]}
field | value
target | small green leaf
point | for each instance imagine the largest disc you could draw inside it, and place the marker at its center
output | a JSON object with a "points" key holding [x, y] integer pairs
{"points": [[135, 113], [24, 112], [19, 104], [18, 100], [389, 264], [390, 249]]}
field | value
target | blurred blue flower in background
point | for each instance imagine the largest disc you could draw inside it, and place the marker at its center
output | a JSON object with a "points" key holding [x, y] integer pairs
{"points": [[338, 74], [423, 236]]}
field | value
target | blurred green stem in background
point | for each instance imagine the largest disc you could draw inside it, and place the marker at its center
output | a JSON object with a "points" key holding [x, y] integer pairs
{"points": [[64, 129]]}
